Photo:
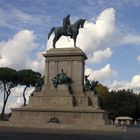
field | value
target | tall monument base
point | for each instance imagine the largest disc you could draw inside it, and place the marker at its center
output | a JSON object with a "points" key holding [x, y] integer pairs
{"points": [[58, 108]]}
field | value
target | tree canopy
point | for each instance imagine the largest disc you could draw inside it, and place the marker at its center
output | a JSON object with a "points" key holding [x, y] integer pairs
{"points": [[102, 90], [27, 78], [8, 80], [120, 103], [8, 75]]}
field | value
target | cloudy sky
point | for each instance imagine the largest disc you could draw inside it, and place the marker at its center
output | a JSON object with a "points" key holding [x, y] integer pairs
{"points": [[110, 38]]}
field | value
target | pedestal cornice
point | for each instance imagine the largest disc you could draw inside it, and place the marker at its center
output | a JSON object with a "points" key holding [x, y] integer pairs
{"points": [[69, 52]]}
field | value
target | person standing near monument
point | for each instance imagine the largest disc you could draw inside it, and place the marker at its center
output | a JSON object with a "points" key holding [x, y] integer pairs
{"points": [[66, 25]]}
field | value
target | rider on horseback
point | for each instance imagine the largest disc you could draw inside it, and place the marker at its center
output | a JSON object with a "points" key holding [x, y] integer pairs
{"points": [[67, 30], [66, 25]]}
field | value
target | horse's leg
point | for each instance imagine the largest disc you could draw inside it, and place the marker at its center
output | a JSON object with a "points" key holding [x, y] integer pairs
{"points": [[74, 39], [55, 40]]}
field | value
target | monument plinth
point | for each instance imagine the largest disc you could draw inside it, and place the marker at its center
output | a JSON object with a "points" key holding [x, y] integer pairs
{"points": [[72, 61], [64, 106]]}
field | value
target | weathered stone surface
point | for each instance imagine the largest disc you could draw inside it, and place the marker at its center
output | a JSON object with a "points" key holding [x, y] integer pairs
{"points": [[93, 99], [76, 116], [74, 110], [71, 60]]}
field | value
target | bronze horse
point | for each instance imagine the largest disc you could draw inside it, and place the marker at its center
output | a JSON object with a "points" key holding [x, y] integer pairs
{"points": [[59, 31]]}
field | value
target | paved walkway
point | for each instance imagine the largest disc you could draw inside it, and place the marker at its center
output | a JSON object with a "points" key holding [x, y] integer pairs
{"points": [[44, 134]]}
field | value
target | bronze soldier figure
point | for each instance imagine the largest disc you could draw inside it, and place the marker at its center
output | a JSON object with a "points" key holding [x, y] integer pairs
{"points": [[66, 25]]}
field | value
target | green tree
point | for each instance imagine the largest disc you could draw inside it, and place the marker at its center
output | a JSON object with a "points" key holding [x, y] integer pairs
{"points": [[8, 80], [27, 78], [102, 90], [138, 106], [120, 103]]}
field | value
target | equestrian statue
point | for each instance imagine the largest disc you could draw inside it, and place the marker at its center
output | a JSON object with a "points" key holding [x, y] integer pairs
{"points": [[68, 29]]}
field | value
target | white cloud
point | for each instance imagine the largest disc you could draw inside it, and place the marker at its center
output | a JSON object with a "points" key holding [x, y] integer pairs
{"points": [[105, 22], [134, 84], [63, 42], [102, 74], [18, 103], [17, 91], [38, 64], [116, 85], [16, 52], [131, 39], [98, 56], [138, 58], [16, 97]]}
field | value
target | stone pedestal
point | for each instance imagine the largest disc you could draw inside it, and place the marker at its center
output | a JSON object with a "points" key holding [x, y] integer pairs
{"points": [[78, 109], [93, 99], [72, 61]]}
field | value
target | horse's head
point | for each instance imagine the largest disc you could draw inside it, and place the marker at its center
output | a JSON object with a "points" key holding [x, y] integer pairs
{"points": [[82, 23], [79, 23]]}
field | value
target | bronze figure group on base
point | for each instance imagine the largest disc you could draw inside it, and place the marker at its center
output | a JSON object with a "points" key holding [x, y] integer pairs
{"points": [[61, 78]]}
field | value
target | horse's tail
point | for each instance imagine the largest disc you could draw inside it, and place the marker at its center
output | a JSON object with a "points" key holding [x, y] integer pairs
{"points": [[52, 29]]}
